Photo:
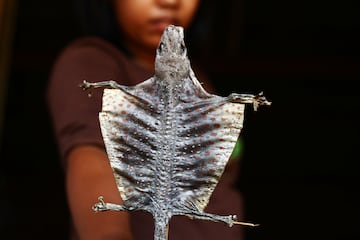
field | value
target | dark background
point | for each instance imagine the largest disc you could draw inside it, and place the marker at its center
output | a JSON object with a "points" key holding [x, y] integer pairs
{"points": [[299, 165]]}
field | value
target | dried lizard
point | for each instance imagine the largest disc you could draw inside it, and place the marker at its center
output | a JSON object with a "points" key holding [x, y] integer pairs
{"points": [[168, 140]]}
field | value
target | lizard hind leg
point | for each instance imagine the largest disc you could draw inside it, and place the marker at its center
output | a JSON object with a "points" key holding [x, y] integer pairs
{"points": [[230, 220], [102, 206]]}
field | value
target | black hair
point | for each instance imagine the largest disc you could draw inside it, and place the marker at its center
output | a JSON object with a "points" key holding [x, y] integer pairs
{"points": [[96, 17]]}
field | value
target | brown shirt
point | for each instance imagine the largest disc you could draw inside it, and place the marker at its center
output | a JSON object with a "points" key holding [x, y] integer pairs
{"points": [[75, 121]]}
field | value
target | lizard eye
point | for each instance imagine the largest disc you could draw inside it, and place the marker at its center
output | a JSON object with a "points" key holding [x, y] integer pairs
{"points": [[182, 47], [161, 46]]}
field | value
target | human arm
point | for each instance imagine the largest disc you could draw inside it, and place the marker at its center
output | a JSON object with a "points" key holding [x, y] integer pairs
{"points": [[77, 132], [88, 175]]}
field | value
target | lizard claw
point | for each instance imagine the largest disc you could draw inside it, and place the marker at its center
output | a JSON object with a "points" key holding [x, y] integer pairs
{"points": [[260, 100], [86, 86], [100, 206]]}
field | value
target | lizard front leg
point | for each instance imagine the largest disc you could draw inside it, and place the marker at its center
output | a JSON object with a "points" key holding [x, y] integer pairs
{"points": [[256, 100], [85, 85]]}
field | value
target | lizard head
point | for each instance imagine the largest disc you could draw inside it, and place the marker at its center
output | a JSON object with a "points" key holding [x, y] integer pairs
{"points": [[171, 55]]}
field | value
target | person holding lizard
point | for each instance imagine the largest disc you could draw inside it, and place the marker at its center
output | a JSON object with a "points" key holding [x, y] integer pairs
{"points": [[127, 56]]}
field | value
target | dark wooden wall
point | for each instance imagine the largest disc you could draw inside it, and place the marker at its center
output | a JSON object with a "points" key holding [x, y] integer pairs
{"points": [[299, 165]]}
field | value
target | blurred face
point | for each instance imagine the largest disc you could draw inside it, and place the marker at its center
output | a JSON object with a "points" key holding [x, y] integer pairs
{"points": [[143, 21]]}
